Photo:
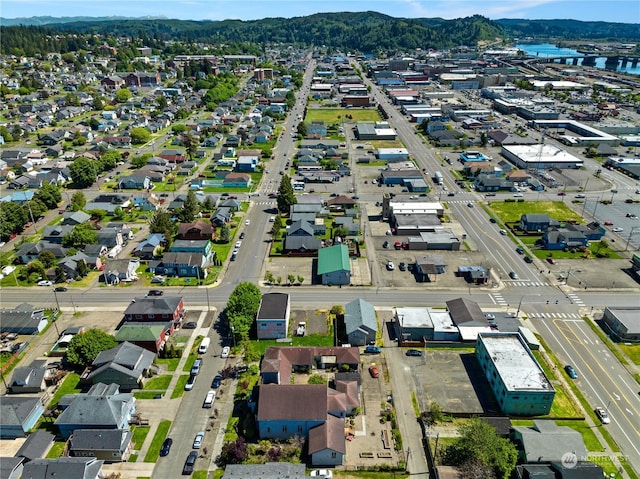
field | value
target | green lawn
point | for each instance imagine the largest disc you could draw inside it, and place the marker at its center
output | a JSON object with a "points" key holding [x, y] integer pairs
{"points": [[590, 440], [339, 115], [139, 435], [178, 390], [156, 442], [159, 383], [56, 450], [632, 351], [69, 386], [307, 341], [512, 211], [171, 363]]}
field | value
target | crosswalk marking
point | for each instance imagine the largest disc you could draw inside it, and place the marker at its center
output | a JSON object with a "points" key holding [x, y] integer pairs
{"points": [[497, 297], [575, 299], [529, 284], [565, 316]]}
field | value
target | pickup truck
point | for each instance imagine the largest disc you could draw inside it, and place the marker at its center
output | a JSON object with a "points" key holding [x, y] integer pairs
{"points": [[302, 328]]}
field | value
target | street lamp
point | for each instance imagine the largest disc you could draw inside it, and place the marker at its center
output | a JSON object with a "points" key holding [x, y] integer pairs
{"points": [[520, 303], [629, 237]]}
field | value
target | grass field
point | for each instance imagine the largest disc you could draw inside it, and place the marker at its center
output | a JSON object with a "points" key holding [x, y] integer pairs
{"points": [[338, 115], [512, 211], [139, 435], [178, 391], [156, 443], [68, 386], [632, 351], [171, 363]]}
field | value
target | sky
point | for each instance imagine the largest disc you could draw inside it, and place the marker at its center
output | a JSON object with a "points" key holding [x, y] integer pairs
{"points": [[624, 11]]}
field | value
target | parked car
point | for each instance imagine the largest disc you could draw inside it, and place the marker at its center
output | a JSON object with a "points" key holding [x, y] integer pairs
{"points": [[528, 259], [195, 369], [402, 266], [490, 194], [190, 325], [209, 398], [197, 441], [490, 316], [372, 350], [60, 289], [166, 447], [617, 229], [155, 292], [242, 235], [608, 223], [217, 381], [518, 195], [571, 372], [413, 352], [519, 250], [580, 195], [390, 265], [397, 245], [602, 415], [190, 382], [492, 220], [322, 474], [45, 283], [551, 261], [373, 370], [189, 463], [385, 245], [503, 232], [225, 352]]}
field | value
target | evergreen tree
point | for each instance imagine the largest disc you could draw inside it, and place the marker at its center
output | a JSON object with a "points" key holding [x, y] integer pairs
{"points": [[286, 196]]}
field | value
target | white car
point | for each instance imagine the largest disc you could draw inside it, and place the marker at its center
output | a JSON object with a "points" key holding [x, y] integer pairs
{"points": [[225, 352], [247, 222], [390, 265], [45, 283], [602, 415], [197, 442], [238, 244], [518, 195], [617, 229], [322, 473]]}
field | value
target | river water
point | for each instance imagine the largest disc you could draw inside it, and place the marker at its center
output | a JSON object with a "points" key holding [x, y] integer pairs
{"points": [[549, 50]]}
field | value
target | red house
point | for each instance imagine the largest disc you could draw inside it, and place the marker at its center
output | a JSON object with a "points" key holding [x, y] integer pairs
{"points": [[200, 230], [156, 308]]}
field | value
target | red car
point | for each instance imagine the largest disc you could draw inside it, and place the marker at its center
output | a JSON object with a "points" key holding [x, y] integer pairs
{"points": [[397, 245], [373, 370], [608, 223]]}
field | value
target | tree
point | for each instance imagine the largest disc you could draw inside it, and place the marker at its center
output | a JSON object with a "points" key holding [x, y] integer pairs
{"points": [[13, 217], [286, 196], [83, 172], [161, 222], [85, 347], [480, 445], [78, 201], [109, 159], [140, 161], [189, 208], [242, 308], [291, 278], [316, 379], [302, 129], [80, 236], [5, 134], [225, 234], [233, 452], [49, 194], [190, 144], [47, 258], [123, 95], [340, 232], [140, 135]]}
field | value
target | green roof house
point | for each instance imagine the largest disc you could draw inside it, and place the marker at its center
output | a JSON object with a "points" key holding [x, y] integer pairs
{"points": [[334, 266]]}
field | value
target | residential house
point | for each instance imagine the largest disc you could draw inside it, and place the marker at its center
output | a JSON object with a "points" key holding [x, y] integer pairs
{"points": [[146, 201], [36, 446], [11, 467], [30, 251], [19, 415], [102, 407], [28, 379], [199, 230], [231, 203], [561, 238], [23, 319], [147, 248], [74, 218], [67, 467], [133, 182], [221, 216], [71, 265], [334, 266], [237, 180], [272, 319], [247, 163], [173, 156], [116, 270], [327, 446], [155, 308], [190, 265], [546, 442], [55, 234], [300, 238], [108, 202], [536, 222], [147, 335], [108, 445], [125, 365], [233, 141], [204, 247], [489, 182], [360, 322]]}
